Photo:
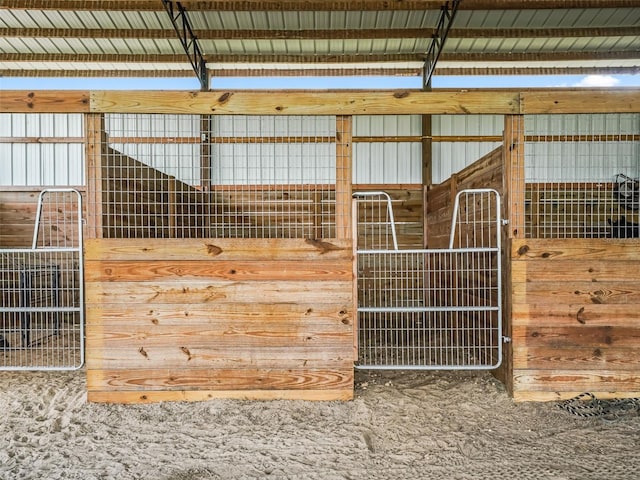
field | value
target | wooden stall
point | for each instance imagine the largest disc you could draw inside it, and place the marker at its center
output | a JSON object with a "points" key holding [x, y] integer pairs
{"points": [[194, 318]]}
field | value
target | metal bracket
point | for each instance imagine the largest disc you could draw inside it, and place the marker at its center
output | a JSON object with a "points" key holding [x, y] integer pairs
{"points": [[437, 41], [506, 339], [180, 21]]}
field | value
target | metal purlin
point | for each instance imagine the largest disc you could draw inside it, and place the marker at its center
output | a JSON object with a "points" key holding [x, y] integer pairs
{"points": [[189, 41], [438, 39]]}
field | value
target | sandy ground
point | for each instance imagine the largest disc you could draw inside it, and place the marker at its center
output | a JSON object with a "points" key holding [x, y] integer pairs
{"points": [[400, 426]]}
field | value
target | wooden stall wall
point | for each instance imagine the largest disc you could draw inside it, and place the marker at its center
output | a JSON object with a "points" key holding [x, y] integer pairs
{"points": [[194, 319], [487, 172], [575, 318]]}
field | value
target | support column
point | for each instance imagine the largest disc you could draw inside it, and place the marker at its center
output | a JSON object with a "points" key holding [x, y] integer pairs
{"points": [[95, 150], [427, 173], [513, 148], [344, 175]]}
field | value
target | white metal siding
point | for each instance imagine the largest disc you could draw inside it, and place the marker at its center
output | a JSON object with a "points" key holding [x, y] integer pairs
{"points": [[387, 162], [280, 162], [598, 159], [41, 164], [451, 157]]}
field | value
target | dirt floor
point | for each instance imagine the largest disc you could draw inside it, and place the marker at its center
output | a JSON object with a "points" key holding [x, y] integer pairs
{"points": [[400, 426]]}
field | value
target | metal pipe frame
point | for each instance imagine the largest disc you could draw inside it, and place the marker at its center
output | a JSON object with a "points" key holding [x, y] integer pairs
{"points": [[447, 15], [189, 41]]}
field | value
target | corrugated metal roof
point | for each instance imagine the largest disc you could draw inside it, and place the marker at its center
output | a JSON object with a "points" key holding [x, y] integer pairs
{"points": [[32, 40]]}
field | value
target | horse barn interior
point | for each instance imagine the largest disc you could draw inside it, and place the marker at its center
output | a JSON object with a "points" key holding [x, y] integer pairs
{"points": [[266, 244]]}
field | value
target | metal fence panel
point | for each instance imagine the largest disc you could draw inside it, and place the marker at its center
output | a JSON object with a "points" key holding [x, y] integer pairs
{"points": [[42, 302], [434, 308]]}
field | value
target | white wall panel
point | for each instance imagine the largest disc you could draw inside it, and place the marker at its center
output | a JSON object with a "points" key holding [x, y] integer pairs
{"points": [[387, 162], [41, 164], [451, 157], [593, 160]]}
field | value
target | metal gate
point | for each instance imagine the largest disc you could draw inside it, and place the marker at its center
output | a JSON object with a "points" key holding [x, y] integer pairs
{"points": [[42, 303], [430, 308]]}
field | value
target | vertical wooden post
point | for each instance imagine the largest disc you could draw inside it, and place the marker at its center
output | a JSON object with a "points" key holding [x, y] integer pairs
{"points": [[95, 150], [344, 175], [427, 173], [514, 187]]}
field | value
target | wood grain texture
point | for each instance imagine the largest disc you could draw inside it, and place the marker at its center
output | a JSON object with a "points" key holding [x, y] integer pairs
{"points": [[584, 357], [254, 315], [223, 379], [586, 101], [403, 102], [203, 395], [574, 316], [44, 101], [218, 249]]}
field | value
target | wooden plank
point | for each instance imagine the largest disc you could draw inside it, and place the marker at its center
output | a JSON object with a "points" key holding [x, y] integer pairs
{"points": [[427, 172], [263, 270], [201, 314], [568, 315], [344, 176], [559, 380], [404, 102], [576, 292], [99, 357], [524, 396], [94, 130], [42, 140], [223, 338], [44, 101], [223, 379], [581, 358], [219, 249], [202, 395], [581, 249], [215, 292], [576, 271], [579, 336], [607, 100], [514, 174]]}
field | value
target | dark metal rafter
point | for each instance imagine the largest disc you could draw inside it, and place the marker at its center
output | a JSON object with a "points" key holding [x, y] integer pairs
{"points": [[447, 15], [180, 21]]}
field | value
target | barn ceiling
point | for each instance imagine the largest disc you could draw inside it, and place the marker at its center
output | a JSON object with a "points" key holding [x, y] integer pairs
{"points": [[292, 38]]}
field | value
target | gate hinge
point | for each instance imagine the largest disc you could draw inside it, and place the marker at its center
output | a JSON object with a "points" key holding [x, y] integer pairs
{"points": [[506, 339], [505, 221]]}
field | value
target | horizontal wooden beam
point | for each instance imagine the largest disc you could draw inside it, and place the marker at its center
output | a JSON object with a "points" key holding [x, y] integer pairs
{"points": [[41, 140], [306, 103], [308, 5], [320, 34], [603, 100], [324, 102], [44, 101]]}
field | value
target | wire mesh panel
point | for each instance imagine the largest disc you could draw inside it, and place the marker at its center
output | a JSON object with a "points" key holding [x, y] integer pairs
{"points": [[437, 308], [223, 176], [581, 175], [41, 308]]}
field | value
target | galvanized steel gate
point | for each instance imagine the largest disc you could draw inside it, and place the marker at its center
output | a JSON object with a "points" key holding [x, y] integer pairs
{"points": [[42, 302], [431, 308]]}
